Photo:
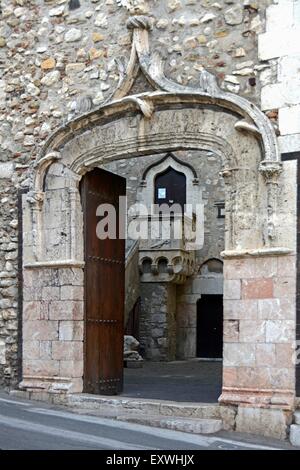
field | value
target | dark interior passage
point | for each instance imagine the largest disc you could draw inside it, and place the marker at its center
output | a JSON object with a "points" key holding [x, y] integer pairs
{"points": [[210, 326]]}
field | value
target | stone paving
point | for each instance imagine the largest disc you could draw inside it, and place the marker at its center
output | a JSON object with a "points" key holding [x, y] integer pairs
{"points": [[168, 381]]}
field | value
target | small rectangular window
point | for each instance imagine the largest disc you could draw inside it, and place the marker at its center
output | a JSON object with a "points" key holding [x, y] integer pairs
{"points": [[162, 193], [221, 210]]}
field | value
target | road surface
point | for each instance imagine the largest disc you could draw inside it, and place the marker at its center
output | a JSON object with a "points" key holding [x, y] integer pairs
{"points": [[29, 425]]}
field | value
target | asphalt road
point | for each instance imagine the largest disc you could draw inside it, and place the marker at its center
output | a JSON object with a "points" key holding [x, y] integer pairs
{"points": [[26, 425]]}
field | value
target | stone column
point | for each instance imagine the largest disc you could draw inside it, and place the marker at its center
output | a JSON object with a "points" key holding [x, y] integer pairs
{"points": [[186, 319], [259, 335], [53, 330]]}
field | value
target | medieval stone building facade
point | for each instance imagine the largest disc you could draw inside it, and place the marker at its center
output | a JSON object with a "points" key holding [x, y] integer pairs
{"points": [[206, 93]]}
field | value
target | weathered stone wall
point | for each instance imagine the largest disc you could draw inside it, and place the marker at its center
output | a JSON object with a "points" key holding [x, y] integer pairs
{"points": [[158, 321], [8, 276], [50, 56], [279, 48]]}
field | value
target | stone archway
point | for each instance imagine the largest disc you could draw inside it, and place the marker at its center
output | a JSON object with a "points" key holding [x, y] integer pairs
{"points": [[258, 315]]}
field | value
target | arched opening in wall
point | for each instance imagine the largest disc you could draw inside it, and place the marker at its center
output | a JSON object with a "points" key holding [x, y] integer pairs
{"points": [[170, 281]]}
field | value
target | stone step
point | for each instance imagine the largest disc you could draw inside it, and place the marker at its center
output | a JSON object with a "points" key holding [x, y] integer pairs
{"points": [[189, 425], [295, 435], [136, 406], [119, 407]]}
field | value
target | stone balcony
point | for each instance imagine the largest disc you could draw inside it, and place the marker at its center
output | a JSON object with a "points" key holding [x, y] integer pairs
{"points": [[167, 254]]}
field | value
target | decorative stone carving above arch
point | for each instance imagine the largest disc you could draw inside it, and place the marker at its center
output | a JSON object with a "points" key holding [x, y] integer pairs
{"points": [[173, 118]]}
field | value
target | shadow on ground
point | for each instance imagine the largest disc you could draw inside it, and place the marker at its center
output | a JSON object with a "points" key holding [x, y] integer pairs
{"points": [[182, 381]]}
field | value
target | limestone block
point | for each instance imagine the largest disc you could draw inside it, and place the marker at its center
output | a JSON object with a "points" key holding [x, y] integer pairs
{"points": [[289, 119], [257, 289], [252, 331], [279, 16], [271, 44], [266, 422], [295, 435], [265, 355], [280, 95], [66, 310], [40, 367], [71, 368], [287, 266], [289, 143], [71, 277], [288, 68], [50, 293], [230, 376], [46, 350], [237, 354], [232, 289], [236, 309], [31, 349], [283, 378], [35, 310], [278, 331], [285, 355], [71, 293], [285, 287], [240, 269], [67, 350], [40, 330], [231, 331], [71, 330], [269, 309], [254, 377]]}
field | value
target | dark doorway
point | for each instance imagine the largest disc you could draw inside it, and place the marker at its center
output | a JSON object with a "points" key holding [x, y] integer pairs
{"points": [[104, 287], [170, 188], [210, 326]]}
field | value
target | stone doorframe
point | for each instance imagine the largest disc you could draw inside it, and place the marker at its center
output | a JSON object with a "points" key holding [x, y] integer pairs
{"points": [[260, 241]]}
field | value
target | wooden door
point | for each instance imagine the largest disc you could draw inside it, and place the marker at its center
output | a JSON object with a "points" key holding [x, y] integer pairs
{"points": [[104, 287], [170, 188], [210, 326]]}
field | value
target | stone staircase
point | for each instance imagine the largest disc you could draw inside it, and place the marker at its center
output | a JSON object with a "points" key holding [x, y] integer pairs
{"points": [[295, 430], [193, 418]]}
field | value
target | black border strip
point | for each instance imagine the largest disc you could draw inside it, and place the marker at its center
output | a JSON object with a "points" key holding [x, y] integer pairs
{"points": [[288, 157]]}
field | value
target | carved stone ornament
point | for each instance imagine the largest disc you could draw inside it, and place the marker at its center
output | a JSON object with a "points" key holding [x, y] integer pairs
{"points": [[271, 172], [151, 64]]}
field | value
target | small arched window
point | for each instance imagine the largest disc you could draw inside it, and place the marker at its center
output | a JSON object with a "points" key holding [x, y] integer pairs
{"points": [[170, 188]]}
